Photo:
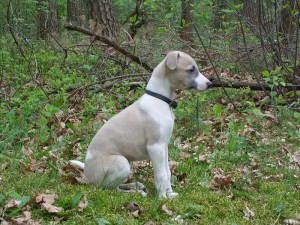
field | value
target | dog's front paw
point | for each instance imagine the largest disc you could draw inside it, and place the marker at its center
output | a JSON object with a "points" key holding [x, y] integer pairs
{"points": [[168, 194], [172, 194]]}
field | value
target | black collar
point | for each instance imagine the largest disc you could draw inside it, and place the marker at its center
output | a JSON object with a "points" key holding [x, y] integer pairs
{"points": [[170, 102]]}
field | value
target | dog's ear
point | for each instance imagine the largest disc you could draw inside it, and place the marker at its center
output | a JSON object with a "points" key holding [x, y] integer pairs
{"points": [[172, 59]]}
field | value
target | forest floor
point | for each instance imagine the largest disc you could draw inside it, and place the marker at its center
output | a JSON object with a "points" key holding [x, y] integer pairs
{"points": [[228, 167]]}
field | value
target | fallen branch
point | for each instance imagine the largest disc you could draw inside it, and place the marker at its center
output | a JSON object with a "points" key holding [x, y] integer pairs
{"points": [[111, 44], [215, 84], [252, 86]]}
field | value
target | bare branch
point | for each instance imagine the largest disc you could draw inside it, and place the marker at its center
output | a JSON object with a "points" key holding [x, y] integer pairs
{"points": [[111, 44]]}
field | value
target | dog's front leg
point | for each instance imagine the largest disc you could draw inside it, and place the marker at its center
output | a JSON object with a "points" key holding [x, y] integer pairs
{"points": [[158, 155], [170, 192]]}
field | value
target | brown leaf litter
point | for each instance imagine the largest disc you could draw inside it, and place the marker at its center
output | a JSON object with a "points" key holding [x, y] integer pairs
{"points": [[220, 180], [46, 202]]}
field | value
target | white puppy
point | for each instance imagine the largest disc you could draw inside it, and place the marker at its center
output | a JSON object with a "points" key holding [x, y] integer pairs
{"points": [[142, 130]]}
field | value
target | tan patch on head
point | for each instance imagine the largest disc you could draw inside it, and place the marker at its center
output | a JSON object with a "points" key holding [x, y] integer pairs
{"points": [[178, 64]]}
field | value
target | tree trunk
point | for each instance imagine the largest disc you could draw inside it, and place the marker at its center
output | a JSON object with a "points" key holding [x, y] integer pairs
{"points": [[287, 24], [47, 18], [186, 32], [137, 19], [76, 12], [101, 18]]}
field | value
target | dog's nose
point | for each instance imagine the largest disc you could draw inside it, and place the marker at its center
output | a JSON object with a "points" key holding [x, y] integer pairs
{"points": [[209, 84]]}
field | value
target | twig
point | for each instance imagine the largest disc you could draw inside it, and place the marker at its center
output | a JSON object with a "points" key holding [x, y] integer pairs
{"points": [[296, 50], [21, 50], [249, 58], [111, 44], [212, 64], [65, 50]]}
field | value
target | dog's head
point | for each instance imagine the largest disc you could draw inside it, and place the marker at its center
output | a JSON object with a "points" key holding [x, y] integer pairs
{"points": [[183, 72]]}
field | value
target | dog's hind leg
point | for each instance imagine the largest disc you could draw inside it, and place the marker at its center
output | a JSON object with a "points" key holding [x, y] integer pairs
{"points": [[107, 172]]}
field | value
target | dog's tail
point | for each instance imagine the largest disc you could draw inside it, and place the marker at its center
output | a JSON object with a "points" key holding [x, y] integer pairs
{"points": [[77, 163]]}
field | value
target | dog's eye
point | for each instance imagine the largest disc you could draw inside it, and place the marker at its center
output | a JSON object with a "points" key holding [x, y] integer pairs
{"points": [[192, 70]]}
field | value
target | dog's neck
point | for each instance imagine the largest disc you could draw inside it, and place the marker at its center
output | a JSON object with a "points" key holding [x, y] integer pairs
{"points": [[159, 84]]}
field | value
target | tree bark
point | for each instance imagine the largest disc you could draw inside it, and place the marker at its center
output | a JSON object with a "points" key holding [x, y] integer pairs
{"points": [[287, 24], [186, 31], [48, 18], [101, 18], [76, 12]]}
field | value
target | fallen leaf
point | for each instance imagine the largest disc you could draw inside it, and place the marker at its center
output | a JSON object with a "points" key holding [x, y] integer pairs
{"points": [[133, 209], [136, 213], [51, 208], [270, 115], [248, 214], [150, 222], [58, 220], [72, 174], [296, 159], [291, 222], [184, 155], [12, 204], [231, 196], [46, 198], [201, 158], [219, 180], [46, 201], [25, 218], [3, 222], [102, 221], [277, 177], [82, 204], [166, 210], [178, 219], [37, 166]]}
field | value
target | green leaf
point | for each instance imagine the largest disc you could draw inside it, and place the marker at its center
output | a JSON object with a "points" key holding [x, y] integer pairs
{"points": [[169, 15], [238, 6], [76, 198], [102, 221], [217, 109], [24, 201], [279, 208], [14, 195], [132, 19], [266, 73], [196, 208], [2, 197], [257, 112], [277, 70], [228, 11], [297, 115], [71, 126], [250, 103], [282, 83]]}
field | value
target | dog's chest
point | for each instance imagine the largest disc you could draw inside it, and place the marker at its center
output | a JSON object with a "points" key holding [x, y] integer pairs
{"points": [[161, 114]]}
